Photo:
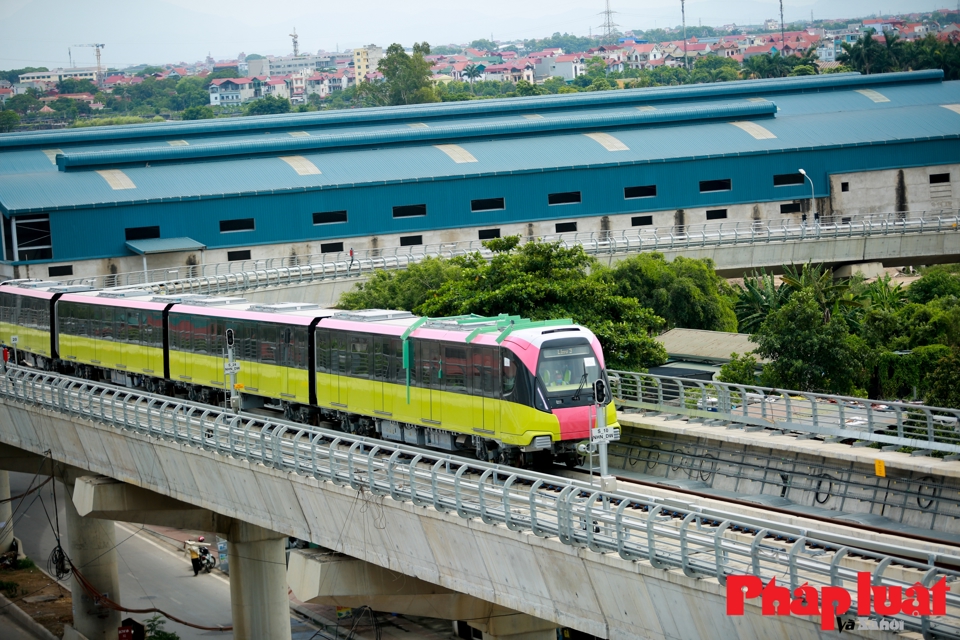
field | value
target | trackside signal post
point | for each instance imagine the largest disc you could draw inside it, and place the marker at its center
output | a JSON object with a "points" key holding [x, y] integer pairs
{"points": [[601, 435], [231, 367]]}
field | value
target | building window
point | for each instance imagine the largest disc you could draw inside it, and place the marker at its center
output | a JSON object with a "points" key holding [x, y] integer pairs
{"points": [[243, 254], [487, 204], [939, 178], [141, 233], [329, 217], [33, 239], [566, 227], [241, 224], [844, 186], [787, 179], [331, 247], [62, 270], [707, 186], [641, 221], [790, 207], [489, 234], [410, 211], [716, 214], [648, 191], [410, 241], [568, 197]]}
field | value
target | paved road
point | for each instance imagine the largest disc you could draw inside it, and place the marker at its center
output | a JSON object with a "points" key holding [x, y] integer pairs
{"points": [[151, 575]]}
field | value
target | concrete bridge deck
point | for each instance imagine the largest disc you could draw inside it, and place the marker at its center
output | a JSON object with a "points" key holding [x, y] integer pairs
{"points": [[616, 564]]}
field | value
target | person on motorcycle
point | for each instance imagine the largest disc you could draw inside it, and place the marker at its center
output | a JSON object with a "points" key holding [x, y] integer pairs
{"points": [[194, 548]]}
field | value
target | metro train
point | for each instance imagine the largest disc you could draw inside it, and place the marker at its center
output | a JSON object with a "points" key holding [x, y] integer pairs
{"points": [[508, 389]]}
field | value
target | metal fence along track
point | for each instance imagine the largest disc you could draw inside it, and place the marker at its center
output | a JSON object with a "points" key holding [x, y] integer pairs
{"points": [[893, 425], [669, 534], [247, 275]]}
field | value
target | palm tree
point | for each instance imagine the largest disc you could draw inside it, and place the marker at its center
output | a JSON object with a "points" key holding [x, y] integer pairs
{"points": [[472, 72], [830, 294], [758, 298]]}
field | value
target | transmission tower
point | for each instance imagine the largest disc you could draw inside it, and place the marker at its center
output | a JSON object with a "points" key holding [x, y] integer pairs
{"points": [[609, 27], [296, 44], [683, 13]]}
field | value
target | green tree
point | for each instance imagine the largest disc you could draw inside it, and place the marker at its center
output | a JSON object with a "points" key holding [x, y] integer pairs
{"points": [[554, 84], [804, 70], [154, 628], [71, 85], [405, 289], [23, 103], [267, 106], [944, 382], [472, 72], [8, 120], [525, 88], [740, 370], [756, 299], [936, 282], [197, 113], [685, 292], [406, 78], [808, 352], [483, 45], [254, 56]]}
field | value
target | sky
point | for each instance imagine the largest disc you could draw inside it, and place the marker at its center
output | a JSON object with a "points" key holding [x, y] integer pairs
{"points": [[40, 32]]}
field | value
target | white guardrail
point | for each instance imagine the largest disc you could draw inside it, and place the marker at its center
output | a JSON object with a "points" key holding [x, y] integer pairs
{"points": [[669, 534], [892, 425], [244, 275]]}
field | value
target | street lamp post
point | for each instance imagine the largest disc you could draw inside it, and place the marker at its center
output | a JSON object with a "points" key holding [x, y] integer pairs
{"points": [[813, 195]]}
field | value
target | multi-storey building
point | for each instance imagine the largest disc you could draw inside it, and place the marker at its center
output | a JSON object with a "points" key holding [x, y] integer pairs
{"points": [[366, 60]]}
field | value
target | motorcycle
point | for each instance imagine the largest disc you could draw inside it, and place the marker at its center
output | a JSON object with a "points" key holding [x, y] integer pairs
{"points": [[207, 560]]}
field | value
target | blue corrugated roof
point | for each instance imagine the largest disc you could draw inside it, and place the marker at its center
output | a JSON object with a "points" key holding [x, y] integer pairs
{"points": [[164, 245], [805, 120]]}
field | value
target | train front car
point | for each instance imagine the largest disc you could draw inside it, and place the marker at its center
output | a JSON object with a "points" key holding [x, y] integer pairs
{"points": [[562, 365]]}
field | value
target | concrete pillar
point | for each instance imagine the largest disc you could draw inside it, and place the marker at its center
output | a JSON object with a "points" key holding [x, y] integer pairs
{"points": [[258, 583], [92, 548], [519, 626], [6, 513]]}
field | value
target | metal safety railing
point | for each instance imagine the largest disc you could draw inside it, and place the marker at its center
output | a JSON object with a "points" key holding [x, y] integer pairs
{"points": [[246, 275], [668, 534], [893, 425]]}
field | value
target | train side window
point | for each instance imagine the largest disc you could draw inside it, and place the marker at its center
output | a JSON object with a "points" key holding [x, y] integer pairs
{"points": [[322, 339], [106, 322], [267, 343], [250, 342], [486, 372], [396, 373], [454, 370], [302, 348], [359, 356], [339, 352]]}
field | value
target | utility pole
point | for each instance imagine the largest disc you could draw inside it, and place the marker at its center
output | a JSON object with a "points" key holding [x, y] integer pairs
{"points": [[683, 13], [296, 45], [782, 28], [609, 27]]}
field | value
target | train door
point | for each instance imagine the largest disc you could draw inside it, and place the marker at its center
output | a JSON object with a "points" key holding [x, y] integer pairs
{"points": [[269, 370], [431, 373], [489, 374], [250, 362], [339, 361], [381, 371], [325, 379]]}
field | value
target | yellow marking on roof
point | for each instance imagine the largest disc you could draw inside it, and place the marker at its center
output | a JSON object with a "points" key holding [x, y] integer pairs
{"points": [[457, 153], [417, 125], [298, 134], [301, 165], [758, 132], [646, 107], [876, 96], [607, 141], [178, 143], [757, 100], [953, 107], [52, 155], [117, 179], [533, 116]]}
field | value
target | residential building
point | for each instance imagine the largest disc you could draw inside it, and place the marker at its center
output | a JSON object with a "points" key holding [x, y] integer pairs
{"points": [[770, 25], [510, 71], [639, 56], [827, 50], [56, 75], [568, 67], [235, 91], [275, 67], [5, 94], [366, 60]]}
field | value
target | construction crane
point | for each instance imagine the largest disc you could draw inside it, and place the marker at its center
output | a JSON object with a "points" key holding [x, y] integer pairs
{"points": [[97, 47], [296, 45]]}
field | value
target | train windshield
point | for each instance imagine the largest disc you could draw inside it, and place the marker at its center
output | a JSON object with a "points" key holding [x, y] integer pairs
{"points": [[563, 369]]}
